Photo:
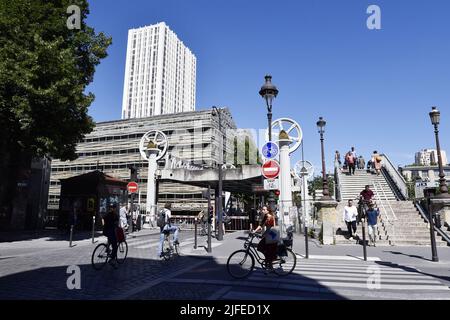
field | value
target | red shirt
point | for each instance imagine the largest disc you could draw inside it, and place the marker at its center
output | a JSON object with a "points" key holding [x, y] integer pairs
{"points": [[367, 194]]}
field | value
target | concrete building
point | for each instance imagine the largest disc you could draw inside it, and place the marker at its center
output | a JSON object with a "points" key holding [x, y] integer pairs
{"points": [[113, 147], [424, 173], [428, 157], [160, 73]]}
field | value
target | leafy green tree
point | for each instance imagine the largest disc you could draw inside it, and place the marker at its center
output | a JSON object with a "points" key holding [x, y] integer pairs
{"points": [[45, 68], [317, 184]]}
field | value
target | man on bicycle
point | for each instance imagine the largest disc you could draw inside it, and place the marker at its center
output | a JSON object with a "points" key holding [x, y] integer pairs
{"points": [[167, 228], [367, 196], [110, 223]]}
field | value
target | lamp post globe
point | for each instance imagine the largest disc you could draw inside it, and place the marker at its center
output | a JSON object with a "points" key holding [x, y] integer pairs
{"points": [[268, 92]]}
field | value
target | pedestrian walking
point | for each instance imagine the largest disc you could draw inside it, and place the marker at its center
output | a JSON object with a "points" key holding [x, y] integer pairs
{"points": [[361, 163], [377, 162], [202, 218], [350, 162], [353, 152], [123, 214], [372, 223], [349, 217], [253, 218]]}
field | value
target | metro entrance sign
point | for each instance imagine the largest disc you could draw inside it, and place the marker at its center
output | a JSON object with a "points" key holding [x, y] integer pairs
{"points": [[132, 187], [270, 169]]}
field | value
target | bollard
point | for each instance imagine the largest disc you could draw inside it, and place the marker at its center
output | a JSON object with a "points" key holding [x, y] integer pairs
{"points": [[71, 234], [93, 229], [364, 238], [195, 233], [306, 242]]}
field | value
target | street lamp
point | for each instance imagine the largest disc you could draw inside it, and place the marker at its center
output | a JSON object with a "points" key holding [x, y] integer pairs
{"points": [[435, 117], [217, 112], [321, 127], [429, 193], [268, 92]]}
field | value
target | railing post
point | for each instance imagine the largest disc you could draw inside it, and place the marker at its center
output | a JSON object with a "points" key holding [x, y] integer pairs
{"points": [[195, 233], [93, 229], [71, 234]]}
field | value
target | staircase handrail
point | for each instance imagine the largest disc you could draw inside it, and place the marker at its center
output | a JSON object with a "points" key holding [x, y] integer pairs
{"points": [[396, 176], [337, 181], [378, 196], [425, 217], [386, 199]]}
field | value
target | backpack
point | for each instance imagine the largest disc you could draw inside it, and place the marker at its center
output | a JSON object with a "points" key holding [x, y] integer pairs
{"points": [[161, 218]]}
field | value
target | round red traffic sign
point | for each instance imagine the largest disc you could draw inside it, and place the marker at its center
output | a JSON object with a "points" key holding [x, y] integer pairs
{"points": [[132, 187], [270, 169]]}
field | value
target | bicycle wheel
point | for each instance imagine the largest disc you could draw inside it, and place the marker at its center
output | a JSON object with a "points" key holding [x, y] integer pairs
{"points": [[240, 264], [167, 250], [285, 265], [122, 252], [99, 256]]}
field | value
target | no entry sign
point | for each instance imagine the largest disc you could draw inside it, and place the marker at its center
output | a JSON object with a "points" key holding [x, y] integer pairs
{"points": [[270, 169], [132, 187]]}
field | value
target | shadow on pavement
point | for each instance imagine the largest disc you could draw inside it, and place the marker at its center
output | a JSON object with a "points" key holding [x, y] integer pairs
{"points": [[181, 278], [408, 255], [411, 269], [52, 235]]}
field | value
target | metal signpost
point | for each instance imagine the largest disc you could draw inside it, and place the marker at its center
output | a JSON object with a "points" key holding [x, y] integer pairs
{"points": [[304, 170]]}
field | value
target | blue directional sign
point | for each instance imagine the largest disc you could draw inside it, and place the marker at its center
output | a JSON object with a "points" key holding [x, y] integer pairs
{"points": [[270, 150]]}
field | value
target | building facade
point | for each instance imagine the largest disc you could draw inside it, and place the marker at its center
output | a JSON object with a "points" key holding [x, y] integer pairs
{"points": [[424, 173], [160, 73], [429, 157], [113, 147]]}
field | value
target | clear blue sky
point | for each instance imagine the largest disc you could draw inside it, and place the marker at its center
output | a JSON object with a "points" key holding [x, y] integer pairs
{"points": [[374, 88]]}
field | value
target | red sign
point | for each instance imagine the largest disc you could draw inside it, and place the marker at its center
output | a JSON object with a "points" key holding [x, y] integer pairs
{"points": [[270, 169], [132, 187]]}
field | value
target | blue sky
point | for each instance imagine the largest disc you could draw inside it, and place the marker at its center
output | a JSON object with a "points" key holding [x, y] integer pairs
{"points": [[374, 87]]}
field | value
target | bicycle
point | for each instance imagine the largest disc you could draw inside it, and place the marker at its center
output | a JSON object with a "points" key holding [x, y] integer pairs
{"points": [[242, 262], [102, 253], [169, 250]]}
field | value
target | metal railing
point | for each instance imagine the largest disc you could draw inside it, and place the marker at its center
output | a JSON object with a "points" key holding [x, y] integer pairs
{"points": [[379, 200], [337, 180], [396, 176], [424, 215], [236, 223]]}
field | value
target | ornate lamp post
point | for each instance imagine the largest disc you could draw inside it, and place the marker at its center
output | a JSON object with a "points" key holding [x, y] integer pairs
{"points": [[268, 92], [435, 117], [326, 193]]}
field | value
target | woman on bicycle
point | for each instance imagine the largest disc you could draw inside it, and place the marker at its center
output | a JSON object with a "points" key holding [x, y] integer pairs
{"points": [[110, 223], [267, 247]]}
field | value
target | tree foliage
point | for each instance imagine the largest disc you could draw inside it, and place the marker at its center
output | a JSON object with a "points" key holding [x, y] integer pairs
{"points": [[44, 70]]}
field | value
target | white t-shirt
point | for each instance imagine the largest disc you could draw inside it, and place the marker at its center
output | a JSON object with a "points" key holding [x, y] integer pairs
{"points": [[350, 213], [168, 215]]}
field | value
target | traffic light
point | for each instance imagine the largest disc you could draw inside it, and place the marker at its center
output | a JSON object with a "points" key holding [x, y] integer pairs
{"points": [[276, 194]]}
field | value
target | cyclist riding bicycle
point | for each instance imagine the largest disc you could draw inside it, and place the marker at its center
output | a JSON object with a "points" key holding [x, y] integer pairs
{"points": [[269, 242], [166, 228], [110, 223]]}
